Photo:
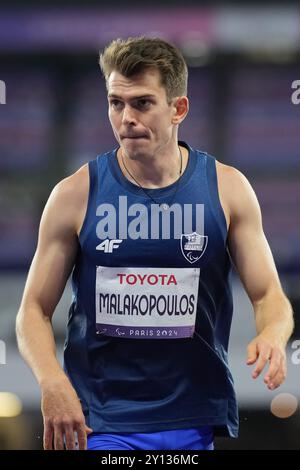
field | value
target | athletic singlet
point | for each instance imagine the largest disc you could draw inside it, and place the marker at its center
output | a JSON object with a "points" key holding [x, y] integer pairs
{"points": [[149, 323]]}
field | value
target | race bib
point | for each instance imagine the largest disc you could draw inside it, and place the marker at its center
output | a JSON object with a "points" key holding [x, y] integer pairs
{"points": [[153, 303]]}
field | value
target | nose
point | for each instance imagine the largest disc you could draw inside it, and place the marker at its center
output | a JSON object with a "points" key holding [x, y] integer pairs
{"points": [[128, 117]]}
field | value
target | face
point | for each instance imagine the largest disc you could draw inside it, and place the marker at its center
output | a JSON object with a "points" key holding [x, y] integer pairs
{"points": [[142, 120]]}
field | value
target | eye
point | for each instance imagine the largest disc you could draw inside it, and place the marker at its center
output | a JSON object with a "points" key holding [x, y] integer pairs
{"points": [[144, 103], [115, 104]]}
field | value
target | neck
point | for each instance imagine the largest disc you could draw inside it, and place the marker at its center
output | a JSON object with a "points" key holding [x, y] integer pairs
{"points": [[154, 171]]}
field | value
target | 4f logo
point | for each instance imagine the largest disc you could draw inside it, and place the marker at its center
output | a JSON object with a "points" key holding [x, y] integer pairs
{"points": [[108, 245]]}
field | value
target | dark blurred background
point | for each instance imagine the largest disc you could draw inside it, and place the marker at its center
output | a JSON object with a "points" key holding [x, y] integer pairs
{"points": [[242, 63]]}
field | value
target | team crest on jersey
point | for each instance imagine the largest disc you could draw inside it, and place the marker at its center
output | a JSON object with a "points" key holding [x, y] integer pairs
{"points": [[193, 246]]}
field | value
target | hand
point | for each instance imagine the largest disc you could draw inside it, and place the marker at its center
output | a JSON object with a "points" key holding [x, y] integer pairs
{"points": [[264, 348], [63, 416]]}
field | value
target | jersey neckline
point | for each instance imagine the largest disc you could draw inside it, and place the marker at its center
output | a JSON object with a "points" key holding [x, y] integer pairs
{"points": [[155, 192]]}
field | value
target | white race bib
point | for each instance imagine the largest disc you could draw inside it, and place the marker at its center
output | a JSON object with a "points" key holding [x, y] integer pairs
{"points": [[146, 302]]}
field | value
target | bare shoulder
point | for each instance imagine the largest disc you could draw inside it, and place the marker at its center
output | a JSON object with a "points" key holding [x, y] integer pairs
{"points": [[228, 175], [71, 195], [235, 191], [74, 185]]}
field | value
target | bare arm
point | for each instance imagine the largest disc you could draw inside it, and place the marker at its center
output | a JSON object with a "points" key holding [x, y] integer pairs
{"points": [[48, 274], [49, 271], [254, 262]]}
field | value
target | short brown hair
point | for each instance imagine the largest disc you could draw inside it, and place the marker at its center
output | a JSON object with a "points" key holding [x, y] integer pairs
{"points": [[135, 54]]}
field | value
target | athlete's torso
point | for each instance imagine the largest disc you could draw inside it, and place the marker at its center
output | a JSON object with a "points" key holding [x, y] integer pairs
{"points": [[149, 323], [82, 187]]}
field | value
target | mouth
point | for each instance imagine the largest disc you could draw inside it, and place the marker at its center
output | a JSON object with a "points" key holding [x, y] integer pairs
{"points": [[135, 137]]}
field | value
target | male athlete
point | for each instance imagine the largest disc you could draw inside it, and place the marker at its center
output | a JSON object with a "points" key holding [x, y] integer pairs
{"points": [[148, 231]]}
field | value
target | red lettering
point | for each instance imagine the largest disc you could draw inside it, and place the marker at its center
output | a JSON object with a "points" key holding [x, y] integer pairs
{"points": [[152, 279], [155, 279], [131, 276], [172, 280], [142, 278], [121, 276]]}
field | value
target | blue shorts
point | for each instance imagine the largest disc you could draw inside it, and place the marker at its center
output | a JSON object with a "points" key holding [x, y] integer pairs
{"points": [[178, 439]]}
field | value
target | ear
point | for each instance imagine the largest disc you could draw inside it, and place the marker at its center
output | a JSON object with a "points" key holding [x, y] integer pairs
{"points": [[181, 108]]}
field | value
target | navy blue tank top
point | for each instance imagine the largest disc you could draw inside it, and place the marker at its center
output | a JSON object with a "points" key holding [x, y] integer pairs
{"points": [[148, 328]]}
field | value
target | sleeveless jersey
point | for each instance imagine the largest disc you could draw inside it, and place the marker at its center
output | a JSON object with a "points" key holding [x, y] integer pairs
{"points": [[148, 328]]}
